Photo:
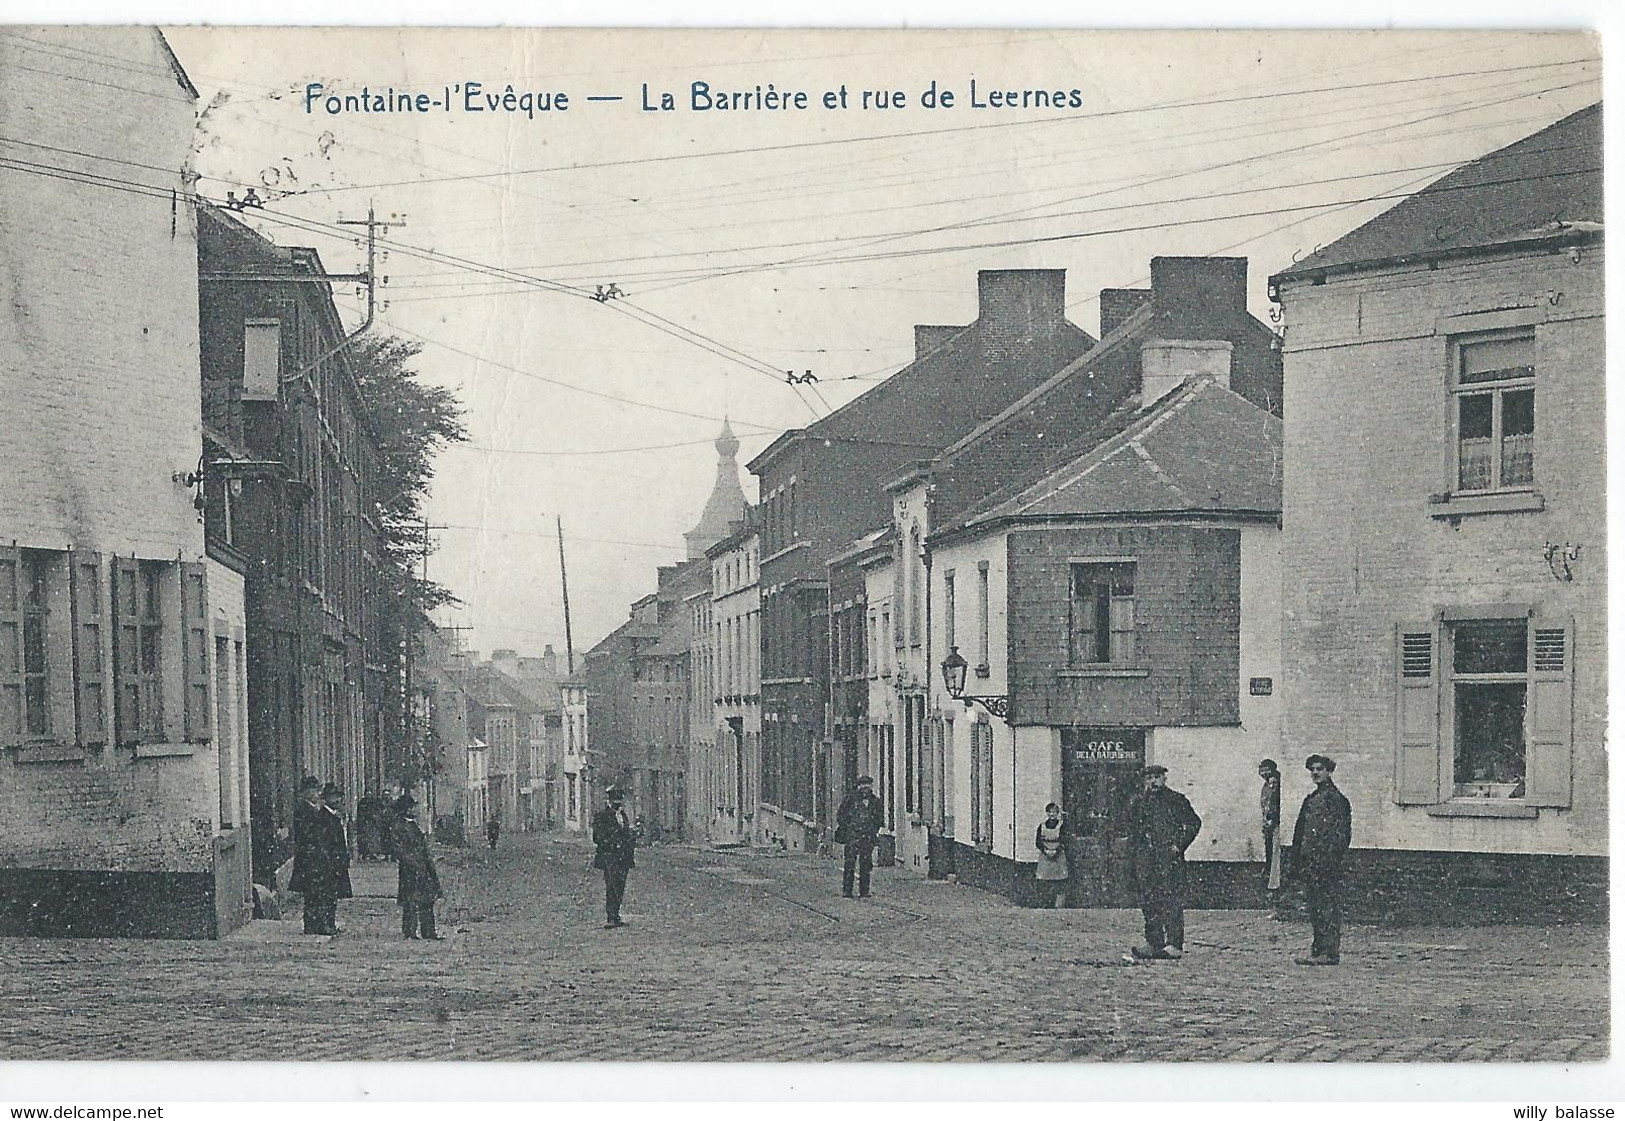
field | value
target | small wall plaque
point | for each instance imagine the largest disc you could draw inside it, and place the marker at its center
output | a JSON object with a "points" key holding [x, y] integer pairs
{"points": [[1261, 686]]}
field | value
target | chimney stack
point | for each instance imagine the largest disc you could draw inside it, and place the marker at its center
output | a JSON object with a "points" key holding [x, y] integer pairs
{"points": [[1198, 297], [930, 338], [1117, 304], [1017, 307]]}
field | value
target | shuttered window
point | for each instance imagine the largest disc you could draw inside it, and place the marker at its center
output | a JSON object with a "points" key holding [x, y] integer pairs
{"points": [[1484, 711]]}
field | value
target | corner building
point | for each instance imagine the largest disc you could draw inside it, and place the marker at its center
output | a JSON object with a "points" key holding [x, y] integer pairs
{"points": [[1444, 552]]}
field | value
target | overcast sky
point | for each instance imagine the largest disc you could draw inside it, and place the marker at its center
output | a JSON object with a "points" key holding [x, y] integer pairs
{"points": [[755, 241]]}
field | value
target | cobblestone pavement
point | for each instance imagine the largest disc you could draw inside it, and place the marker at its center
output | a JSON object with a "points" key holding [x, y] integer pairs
{"points": [[754, 956]]}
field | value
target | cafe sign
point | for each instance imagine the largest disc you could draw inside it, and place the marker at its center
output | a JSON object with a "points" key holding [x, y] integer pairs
{"points": [[1105, 745]]}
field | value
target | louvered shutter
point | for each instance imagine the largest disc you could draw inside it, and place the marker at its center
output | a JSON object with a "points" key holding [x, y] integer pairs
{"points": [[1549, 715], [195, 643], [1416, 759], [126, 603], [11, 645], [89, 675]]}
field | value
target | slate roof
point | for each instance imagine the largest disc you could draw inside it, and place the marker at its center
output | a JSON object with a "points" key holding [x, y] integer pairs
{"points": [[934, 399], [1545, 185], [1199, 449]]}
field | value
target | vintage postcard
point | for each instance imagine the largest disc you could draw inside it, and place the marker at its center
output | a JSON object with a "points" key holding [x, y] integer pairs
{"points": [[1037, 546]]}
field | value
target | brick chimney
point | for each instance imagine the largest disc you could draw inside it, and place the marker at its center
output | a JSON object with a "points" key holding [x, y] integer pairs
{"points": [[930, 338], [1117, 304], [550, 660], [1196, 304], [506, 660], [1197, 297], [1017, 307]]}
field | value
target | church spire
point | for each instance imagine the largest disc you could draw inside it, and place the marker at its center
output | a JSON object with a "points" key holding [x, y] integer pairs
{"points": [[727, 502]]}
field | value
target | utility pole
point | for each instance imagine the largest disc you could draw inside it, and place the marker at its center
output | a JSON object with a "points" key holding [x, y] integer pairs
{"points": [[373, 225], [564, 585]]}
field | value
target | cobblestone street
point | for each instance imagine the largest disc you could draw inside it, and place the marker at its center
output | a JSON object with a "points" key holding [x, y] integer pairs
{"points": [[752, 956]]}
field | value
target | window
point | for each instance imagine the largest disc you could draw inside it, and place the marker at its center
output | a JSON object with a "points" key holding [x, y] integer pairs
{"points": [[570, 808], [948, 636], [871, 663], [262, 359], [1485, 709], [981, 785], [36, 712], [1102, 614], [982, 599], [138, 641], [1494, 391], [885, 641]]}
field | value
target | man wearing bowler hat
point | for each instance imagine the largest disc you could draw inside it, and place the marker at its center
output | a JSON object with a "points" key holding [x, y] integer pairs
{"points": [[1162, 826], [857, 826], [612, 833]]}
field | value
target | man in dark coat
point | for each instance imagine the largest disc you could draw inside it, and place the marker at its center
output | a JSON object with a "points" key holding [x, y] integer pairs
{"points": [[417, 884], [612, 833], [313, 871], [1322, 836], [857, 826], [338, 850], [1162, 826]]}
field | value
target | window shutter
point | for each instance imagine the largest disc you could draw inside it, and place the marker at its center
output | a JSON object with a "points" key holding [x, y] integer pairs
{"points": [[1416, 762], [126, 601], [11, 645], [1549, 779], [195, 651], [90, 689]]}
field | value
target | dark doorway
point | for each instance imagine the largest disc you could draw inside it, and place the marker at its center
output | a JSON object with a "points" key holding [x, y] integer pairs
{"points": [[1100, 776]]}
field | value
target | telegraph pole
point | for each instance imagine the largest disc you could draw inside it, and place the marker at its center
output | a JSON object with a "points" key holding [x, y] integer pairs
{"points": [[564, 585]]}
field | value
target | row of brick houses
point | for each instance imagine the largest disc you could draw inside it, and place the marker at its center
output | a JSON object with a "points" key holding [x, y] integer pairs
{"points": [[191, 611], [1032, 562]]}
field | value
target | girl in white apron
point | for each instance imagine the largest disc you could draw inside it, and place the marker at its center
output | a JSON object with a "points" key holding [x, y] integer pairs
{"points": [[1050, 841]]}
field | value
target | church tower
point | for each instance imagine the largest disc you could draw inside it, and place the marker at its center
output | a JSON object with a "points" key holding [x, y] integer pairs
{"points": [[727, 502]]}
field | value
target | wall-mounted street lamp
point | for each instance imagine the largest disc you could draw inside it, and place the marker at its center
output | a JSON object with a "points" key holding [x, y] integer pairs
{"points": [[954, 668]]}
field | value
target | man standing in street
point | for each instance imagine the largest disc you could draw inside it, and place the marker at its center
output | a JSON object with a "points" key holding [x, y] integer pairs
{"points": [[1163, 826], [313, 859], [857, 826], [1322, 836], [612, 833], [1269, 814], [338, 851]]}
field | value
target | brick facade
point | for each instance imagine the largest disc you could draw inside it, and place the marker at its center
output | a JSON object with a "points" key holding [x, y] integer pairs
{"points": [[1187, 617]]}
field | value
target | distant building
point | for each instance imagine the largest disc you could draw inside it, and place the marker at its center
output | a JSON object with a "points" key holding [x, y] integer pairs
{"points": [[1444, 552], [124, 778], [729, 773]]}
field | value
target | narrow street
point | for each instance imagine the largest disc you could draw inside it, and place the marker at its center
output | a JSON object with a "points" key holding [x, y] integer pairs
{"points": [[750, 956]]}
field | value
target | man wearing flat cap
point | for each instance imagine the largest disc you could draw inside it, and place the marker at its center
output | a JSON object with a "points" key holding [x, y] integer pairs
{"points": [[1162, 826], [612, 833], [1322, 836], [857, 826]]}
